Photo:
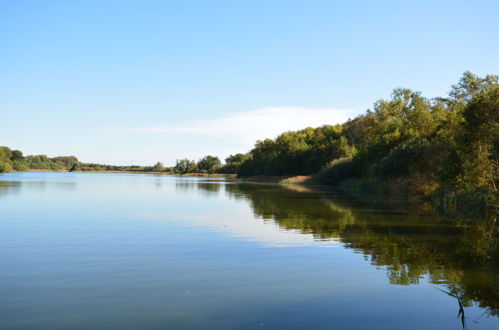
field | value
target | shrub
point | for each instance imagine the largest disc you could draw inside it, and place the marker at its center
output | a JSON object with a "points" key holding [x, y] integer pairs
{"points": [[337, 170]]}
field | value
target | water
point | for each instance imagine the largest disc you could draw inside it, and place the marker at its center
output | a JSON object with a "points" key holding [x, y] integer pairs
{"points": [[119, 251]]}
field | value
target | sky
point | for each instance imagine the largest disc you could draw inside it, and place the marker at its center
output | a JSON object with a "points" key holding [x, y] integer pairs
{"points": [[136, 82]]}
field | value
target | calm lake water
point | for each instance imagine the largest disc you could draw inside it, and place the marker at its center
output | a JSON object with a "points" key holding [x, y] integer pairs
{"points": [[129, 251]]}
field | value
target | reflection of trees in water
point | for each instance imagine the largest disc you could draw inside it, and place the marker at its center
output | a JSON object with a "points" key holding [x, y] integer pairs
{"points": [[294, 210], [43, 185], [462, 255], [209, 187], [8, 187], [205, 187], [14, 187]]}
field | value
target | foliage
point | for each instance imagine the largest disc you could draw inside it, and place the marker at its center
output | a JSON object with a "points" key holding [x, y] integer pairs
{"points": [[337, 171], [42, 162], [183, 166], [65, 162], [233, 163], [14, 160], [158, 167], [5, 167], [209, 164], [444, 144], [300, 152]]}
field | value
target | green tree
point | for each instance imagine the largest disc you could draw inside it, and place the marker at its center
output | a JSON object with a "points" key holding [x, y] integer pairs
{"points": [[480, 141], [158, 167], [233, 163], [183, 166], [209, 164], [5, 167], [65, 162], [6, 156], [17, 155]]}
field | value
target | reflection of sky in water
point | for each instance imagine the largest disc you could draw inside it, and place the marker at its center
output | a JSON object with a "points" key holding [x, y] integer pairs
{"points": [[85, 250], [198, 195]]}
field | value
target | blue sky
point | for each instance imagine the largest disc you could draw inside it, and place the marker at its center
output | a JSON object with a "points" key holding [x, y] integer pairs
{"points": [[125, 82]]}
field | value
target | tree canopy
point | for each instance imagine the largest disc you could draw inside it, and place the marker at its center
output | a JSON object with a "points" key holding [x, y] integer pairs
{"points": [[440, 144]]}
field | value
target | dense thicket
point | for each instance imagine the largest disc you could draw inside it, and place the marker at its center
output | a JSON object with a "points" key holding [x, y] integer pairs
{"points": [[439, 144]]}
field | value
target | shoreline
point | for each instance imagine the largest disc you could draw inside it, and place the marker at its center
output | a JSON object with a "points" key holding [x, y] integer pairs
{"points": [[214, 175], [362, 188]]}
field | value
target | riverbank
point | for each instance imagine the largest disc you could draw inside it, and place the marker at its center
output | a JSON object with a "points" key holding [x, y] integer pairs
{"points": [[465, 203], [212, 175], [453, 203]]}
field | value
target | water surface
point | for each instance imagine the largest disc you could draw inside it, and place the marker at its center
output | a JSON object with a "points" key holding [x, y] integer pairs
{"points": [[128, 251]]}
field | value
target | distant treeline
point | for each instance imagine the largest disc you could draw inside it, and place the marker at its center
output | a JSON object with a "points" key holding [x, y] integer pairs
{"points": [[14, 160]]}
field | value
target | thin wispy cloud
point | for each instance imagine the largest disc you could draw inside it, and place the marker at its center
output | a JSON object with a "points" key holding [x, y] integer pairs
{"points": [[249, 126]]}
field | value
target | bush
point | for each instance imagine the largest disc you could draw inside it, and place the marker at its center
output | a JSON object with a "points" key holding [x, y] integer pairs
{"points": [[5, 167], [337, 170], [19, 165]]}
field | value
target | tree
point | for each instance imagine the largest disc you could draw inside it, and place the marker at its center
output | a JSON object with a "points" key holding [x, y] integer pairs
{"points": [[233, 163], [17, 155], [42, 162], [158, 167], [480, 141], [5, 167], [183, 166], [469, 86], [6, 156], [209, 163]]}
